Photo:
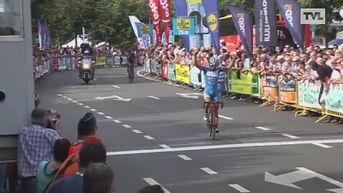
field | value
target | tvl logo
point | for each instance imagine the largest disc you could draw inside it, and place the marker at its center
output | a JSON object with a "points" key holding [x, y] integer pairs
{"points": [[312, 16]]}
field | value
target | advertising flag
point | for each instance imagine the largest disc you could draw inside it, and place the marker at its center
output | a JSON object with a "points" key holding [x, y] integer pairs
{"points": [[212, 17], [265, 23], [135, 23], [181, 11], [243, 24], [165, 9], [154, 6], [290, 10]]}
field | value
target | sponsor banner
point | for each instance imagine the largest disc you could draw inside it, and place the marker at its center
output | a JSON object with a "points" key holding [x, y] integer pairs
{"points": [[101, 60], [195, 76], [290, 10], [308, 94], [287, 91], [165, 70], [165, 10], [243, 24], [181, 11], [193, 1], [171, 72], [203, 82], [270, 87], [182, 73], [222, 86], [183, 26], [212, 17], [334, 98], [265, 23], [153, 6], [244, 83], [110, 61]]}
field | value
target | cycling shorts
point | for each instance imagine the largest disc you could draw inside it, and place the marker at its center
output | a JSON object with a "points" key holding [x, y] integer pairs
{"points": [[212, 93]]}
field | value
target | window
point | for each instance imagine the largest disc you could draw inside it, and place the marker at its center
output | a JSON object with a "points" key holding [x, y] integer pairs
{"points": [[11, 18]]}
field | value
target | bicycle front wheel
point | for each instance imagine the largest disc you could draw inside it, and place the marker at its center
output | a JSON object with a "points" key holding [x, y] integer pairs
{"points": [[213, 125]]}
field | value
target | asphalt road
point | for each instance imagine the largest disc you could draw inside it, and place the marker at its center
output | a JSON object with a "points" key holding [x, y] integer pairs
{"points": [[155, 134]]}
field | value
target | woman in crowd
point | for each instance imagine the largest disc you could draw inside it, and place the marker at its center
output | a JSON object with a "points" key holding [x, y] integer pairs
{"points": [[48, 169]]}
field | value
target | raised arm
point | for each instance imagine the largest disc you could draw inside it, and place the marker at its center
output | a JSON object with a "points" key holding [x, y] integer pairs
{"points": [[196, 62]]}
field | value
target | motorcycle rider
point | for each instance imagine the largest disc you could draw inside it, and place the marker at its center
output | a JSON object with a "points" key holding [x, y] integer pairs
{"points": [[87, 52]]}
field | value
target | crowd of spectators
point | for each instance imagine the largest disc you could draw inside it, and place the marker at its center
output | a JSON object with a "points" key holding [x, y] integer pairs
{"points": [[312, 64], [288, 61], [49, 163]]}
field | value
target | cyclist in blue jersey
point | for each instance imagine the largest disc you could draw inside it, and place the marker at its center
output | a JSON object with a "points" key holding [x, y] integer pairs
{"points": [[211, 73]]}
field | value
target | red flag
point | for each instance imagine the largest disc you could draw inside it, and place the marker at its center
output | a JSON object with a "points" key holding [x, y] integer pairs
{"points": [[165, 8], [155, 16]]}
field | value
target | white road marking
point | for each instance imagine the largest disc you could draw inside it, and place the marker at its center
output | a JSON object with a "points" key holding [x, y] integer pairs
{"points": [[164, 146], [153, 97], [152, 182], [80, 104], [116, 121], [115, 86], [137, 131], [291, 136], [101, 113], [239, 188], [65, 97], [74, 101], [322, 145], [148, 137], [291, 178], [225, 117], [189, 95], [114, 97], [127, 126], [69, 99], [94, 110], [263, 128], [59, 95], [108, 117], [209, 171], [87, 107], [225, 146], [184, 157]]}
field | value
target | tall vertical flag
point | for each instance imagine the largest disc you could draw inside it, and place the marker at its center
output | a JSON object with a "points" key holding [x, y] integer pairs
{"points": [[290, 10], [212, 17], [243, 24], [165, 9], [43, 34], [155, 17], [181, 11], [265, 23], [135, 24]]}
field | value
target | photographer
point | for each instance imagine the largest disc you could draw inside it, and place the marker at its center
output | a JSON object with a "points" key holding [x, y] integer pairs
{"points": [[35, 145]]}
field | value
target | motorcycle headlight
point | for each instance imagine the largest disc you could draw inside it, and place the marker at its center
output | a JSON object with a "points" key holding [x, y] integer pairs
{"points": [[86, 66]]}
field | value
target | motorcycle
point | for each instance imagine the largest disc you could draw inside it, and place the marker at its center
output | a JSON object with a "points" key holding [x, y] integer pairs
{"points": [[86, 69]]}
